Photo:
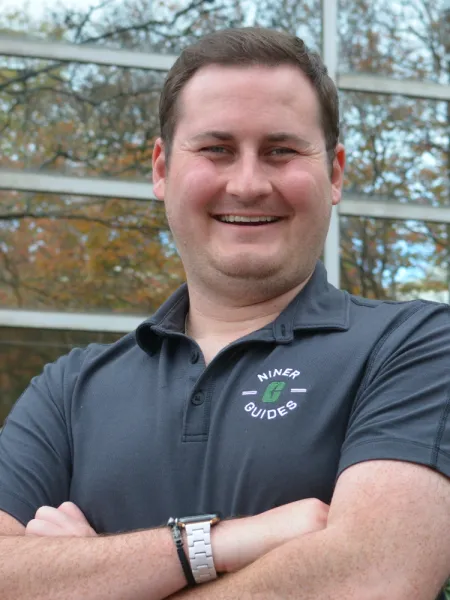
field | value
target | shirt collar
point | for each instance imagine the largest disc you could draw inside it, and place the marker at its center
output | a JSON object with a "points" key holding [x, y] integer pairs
{"points": [[169, 318], [319, 306]]}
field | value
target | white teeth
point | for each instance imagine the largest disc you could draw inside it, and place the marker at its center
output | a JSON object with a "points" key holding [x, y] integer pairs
{"points": [[238, 219]]}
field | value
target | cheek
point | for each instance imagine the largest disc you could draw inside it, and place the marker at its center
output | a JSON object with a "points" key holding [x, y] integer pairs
{"points": [[194, 184], [307, 192]]}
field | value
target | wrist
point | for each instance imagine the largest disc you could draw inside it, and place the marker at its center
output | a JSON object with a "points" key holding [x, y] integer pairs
{"points": [[220, 544], [230, 544]]}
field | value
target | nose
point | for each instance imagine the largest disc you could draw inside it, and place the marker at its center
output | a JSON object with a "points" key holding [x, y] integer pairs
{"points": [[248, 179]]}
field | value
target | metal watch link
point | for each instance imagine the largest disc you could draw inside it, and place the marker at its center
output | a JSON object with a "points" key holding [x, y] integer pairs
{"points": [[198, 531]]}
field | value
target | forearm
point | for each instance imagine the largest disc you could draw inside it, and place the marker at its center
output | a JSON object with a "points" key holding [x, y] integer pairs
{"points": [[140, 565], [316, 566]]}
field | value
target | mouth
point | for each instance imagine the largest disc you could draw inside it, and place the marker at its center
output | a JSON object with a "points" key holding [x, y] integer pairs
{"points": [[243, 220]]}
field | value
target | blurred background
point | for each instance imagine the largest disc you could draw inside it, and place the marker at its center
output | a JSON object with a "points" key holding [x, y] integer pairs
{"points": [[85, 251]]}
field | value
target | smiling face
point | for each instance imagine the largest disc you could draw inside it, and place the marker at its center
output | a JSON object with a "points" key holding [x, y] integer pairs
{"points": [[248, 193]]}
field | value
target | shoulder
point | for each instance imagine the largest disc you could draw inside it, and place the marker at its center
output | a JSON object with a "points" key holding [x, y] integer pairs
{"points": [[92, 355], [58, 379], [398, 320], [361, 305]]}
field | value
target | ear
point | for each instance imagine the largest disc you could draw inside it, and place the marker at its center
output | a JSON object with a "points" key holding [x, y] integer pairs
{"points": [[159, 169], [337, 176]]}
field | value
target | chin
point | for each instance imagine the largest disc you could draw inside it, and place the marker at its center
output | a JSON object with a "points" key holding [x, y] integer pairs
{"points": [[250, 264], [257, 284], [255, 270]]}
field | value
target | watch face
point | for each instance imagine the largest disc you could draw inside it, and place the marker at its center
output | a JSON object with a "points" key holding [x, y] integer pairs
{"points": [[212, 518]]}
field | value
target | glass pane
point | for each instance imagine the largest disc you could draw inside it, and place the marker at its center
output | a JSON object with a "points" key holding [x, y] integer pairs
{"points": [[78, 119], [405, 39], [85, 254], [397, 148], [396, 260], [158, 26], [98, 120], [303, 18], [24, 352]]}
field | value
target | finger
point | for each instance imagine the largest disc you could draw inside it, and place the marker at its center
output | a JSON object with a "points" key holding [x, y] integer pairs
{"points": [[71, 510], [60, 518], [36, 527], [79, 524], [51, 515]]}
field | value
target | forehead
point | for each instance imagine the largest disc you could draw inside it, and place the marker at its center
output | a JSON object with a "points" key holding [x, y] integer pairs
{"points": [[219, 97]]}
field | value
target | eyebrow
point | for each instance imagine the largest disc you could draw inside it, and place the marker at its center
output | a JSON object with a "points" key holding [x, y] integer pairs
{"points": [[218, 135], [272, 137], [288, 137]]}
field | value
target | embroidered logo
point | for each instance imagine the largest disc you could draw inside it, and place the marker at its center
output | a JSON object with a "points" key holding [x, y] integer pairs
{"points": [[273, 391], [278, 398]]}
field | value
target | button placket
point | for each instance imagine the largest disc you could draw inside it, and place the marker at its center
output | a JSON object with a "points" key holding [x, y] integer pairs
{"points": [[196, 420], [198, 394]]}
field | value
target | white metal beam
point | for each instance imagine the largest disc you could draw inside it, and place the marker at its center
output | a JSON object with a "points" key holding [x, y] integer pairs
{"points": [[379, 208], [358, 206], [82, 186], [80, 53], [330, 58], [352, 204], [358, 82], [73, 321]]}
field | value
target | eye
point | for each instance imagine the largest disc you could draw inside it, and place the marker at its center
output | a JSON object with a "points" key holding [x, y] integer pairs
{"points": [[281, 151], [215, 149]]}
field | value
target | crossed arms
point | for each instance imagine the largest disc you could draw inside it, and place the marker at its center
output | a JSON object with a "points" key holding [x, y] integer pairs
{"points": [[387, 537]]}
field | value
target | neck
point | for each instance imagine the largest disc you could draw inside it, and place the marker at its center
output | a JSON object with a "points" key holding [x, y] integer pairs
{"points": [[217, 316]]}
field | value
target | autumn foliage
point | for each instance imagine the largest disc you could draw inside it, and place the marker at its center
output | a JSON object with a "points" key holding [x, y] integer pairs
{"points": [[72, 253]]}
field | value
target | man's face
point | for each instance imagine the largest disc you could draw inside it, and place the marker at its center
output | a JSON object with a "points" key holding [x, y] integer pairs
{"points": [[248, 193]]}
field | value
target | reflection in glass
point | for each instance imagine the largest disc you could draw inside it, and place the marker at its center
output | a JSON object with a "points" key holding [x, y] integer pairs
{"points": [[85, 120], [303, 19], [159, 26], [395, 260], [95, 120], [85, 254], [398, 149], [404, 39]]}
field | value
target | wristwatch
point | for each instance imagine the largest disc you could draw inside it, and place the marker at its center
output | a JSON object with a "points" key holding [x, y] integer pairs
{"points": [[198, 532]]}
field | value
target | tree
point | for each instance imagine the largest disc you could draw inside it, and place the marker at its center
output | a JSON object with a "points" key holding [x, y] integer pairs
{"points": [[118, 255], [398, 148], [80, 253]]}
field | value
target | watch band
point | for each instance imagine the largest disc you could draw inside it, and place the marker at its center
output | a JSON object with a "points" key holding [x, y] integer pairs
{"points": [[178, 539], [200, 551]]}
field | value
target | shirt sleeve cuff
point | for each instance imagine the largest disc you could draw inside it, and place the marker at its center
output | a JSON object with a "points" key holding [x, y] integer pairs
{"points": [[395, 450], [16, 507]]}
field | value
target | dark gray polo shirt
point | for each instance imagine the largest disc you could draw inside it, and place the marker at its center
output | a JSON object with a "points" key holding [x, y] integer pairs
{"points": [[141, 430]]}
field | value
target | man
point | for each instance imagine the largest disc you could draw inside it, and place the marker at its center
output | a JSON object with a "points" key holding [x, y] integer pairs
{"points": [[258, 391]]}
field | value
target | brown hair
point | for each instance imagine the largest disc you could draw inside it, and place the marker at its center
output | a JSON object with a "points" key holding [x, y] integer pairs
{"points": [[249, 46]]}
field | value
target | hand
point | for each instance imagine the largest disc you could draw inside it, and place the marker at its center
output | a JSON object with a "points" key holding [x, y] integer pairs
{"points": [[239, 542], [65, 521]]}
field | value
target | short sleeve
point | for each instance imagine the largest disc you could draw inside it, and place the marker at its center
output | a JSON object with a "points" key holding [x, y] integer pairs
{"points": [[35, 448], [402, 409]]}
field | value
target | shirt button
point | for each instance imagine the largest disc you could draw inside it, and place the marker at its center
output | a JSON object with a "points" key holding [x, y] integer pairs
{"points": [[198, 399], [195, 355]]}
